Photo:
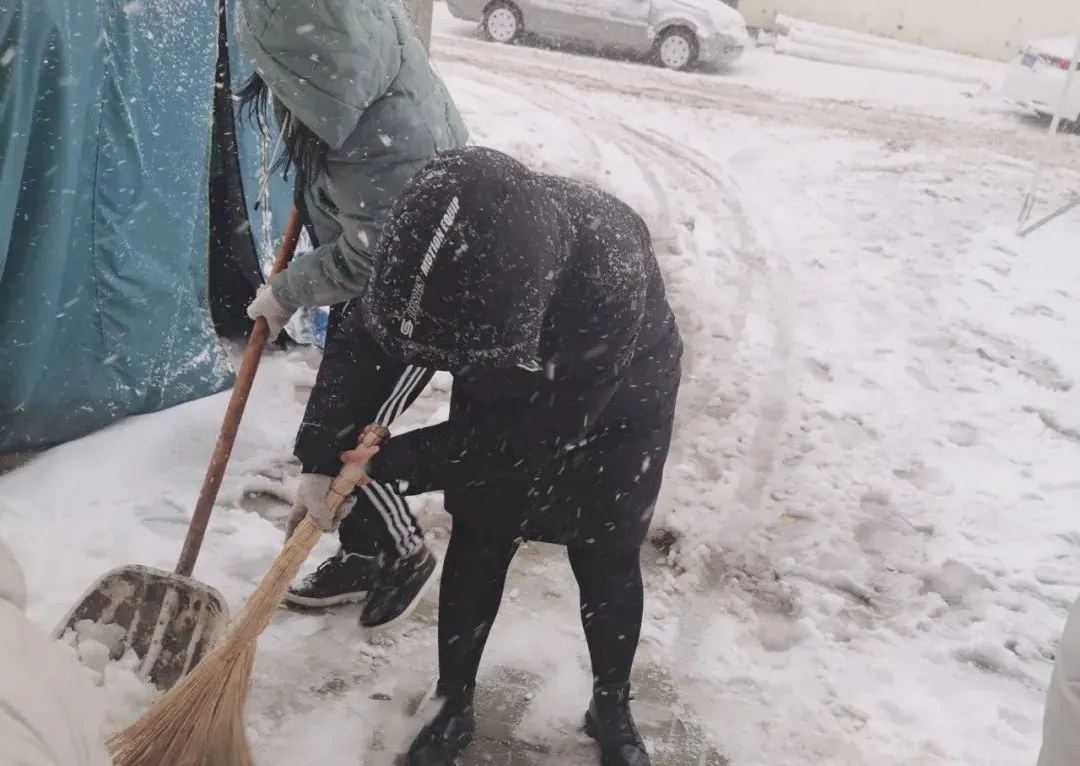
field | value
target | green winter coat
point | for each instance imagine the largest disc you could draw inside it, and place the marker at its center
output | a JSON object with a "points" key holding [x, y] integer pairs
{"points": [[355, 73]]}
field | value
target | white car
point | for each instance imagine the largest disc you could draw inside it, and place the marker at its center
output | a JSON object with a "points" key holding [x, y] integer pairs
{"points": [[678, 33], [1037, 74]]}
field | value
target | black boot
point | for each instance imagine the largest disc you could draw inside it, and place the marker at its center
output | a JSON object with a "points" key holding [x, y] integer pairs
{"points": [[611, 724], [450, 732]]}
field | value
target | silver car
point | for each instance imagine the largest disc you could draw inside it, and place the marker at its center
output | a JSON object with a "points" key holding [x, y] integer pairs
{"points": [[677, 33]]}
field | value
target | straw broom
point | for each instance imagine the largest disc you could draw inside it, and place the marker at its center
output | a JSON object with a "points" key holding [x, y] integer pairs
{"points": [[200, 721]]}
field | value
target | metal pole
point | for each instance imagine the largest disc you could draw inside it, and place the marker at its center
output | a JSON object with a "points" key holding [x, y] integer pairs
{"points": [[1067, 207], [421, 11], [1029, 200]]}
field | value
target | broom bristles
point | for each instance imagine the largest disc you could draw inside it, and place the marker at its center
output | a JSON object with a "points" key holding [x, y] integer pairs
{"points": [[200, 721]]}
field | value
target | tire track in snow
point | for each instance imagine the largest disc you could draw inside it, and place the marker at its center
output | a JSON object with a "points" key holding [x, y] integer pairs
{"points": [[722, 564], [714, 92], [771, 272], [761, 270]]}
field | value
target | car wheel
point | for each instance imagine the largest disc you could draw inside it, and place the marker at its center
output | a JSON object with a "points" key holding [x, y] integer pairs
{"points": [[677, 48], [502, 22]]}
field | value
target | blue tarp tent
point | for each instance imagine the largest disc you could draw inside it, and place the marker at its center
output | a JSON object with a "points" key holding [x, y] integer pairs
{"points": [[129, 229]]}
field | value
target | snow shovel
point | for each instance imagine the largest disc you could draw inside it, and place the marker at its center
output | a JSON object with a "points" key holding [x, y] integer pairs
{"points": [[168, 619]]}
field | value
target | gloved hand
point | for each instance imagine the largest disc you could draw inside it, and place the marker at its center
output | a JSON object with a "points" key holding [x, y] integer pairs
{"points": [[266, 305], [311, 501], [362, 453]]}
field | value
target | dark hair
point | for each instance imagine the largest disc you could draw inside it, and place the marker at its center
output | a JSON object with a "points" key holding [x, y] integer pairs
{"points": [[303, 149]]}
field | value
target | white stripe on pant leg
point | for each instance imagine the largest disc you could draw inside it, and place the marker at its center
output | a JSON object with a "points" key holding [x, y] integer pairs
{"points": [[393, 524], [403, 401], [399, 514], [405, 384], [391, 506], [395, 392], [411, 539], [393, 409]]}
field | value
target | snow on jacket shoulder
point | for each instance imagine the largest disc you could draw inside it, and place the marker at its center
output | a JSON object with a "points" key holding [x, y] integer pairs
{"points": [[356, 74], [49, 715], [1061, 720]]}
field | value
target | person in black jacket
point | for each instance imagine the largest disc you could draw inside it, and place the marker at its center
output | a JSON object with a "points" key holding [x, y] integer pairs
{"points": [[543, 297]]}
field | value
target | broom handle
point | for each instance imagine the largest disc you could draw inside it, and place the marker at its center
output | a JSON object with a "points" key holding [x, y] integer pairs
{"points": [[249, 365], [262, 604]]}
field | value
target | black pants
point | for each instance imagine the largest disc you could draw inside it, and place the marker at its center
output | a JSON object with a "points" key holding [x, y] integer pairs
{"points": [[381, 521], [474, 573]]}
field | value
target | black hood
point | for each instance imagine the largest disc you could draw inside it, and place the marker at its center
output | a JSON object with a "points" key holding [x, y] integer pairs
{"points": [[467, 264]]}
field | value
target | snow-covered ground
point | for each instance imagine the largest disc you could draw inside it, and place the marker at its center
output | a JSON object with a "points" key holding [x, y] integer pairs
{"points": [[873, 487]]}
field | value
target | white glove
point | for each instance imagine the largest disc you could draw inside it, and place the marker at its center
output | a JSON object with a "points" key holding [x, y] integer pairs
{"points": [[311, 501], [266, 305]]}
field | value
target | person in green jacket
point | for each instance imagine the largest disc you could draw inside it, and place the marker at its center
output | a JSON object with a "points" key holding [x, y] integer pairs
{"points": [[359, 110]]}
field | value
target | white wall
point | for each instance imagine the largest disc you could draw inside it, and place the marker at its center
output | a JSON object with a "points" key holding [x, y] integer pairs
{"points": [[991, 29]]}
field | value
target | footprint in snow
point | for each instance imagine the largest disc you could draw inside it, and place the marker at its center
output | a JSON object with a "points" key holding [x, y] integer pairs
{"points": [[164, 517], [920, 377], [882, 537], [955, 582], [779, 633], [821, 371], [1054, 423], [1035, 309], [962, 434], [993, 658], [926, 478], [1042, 370], [1071, 536], [268, 499], [939, 343]]}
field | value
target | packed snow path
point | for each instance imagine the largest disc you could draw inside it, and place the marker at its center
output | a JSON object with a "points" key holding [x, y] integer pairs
{"points": [[868, 525]]}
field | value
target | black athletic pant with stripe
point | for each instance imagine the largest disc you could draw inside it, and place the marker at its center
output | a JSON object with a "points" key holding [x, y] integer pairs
{"points": [[380, 522]]}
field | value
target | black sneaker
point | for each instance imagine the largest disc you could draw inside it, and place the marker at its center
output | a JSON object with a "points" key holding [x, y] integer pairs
{"points": [[450, 731], [343, 578], [609, 722], [397, 589]]}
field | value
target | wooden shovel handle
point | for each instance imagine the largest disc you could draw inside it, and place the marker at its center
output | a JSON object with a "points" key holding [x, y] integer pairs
{"points": [[249, 365]]}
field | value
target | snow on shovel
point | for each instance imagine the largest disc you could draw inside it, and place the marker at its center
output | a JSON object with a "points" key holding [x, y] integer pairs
{"points": [[169, 620]]}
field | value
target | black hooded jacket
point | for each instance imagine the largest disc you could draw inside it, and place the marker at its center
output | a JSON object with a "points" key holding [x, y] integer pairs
{"points": [[543, 297]]}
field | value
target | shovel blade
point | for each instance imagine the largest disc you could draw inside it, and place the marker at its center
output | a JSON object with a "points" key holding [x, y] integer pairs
{"points": [[169, 621]]}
